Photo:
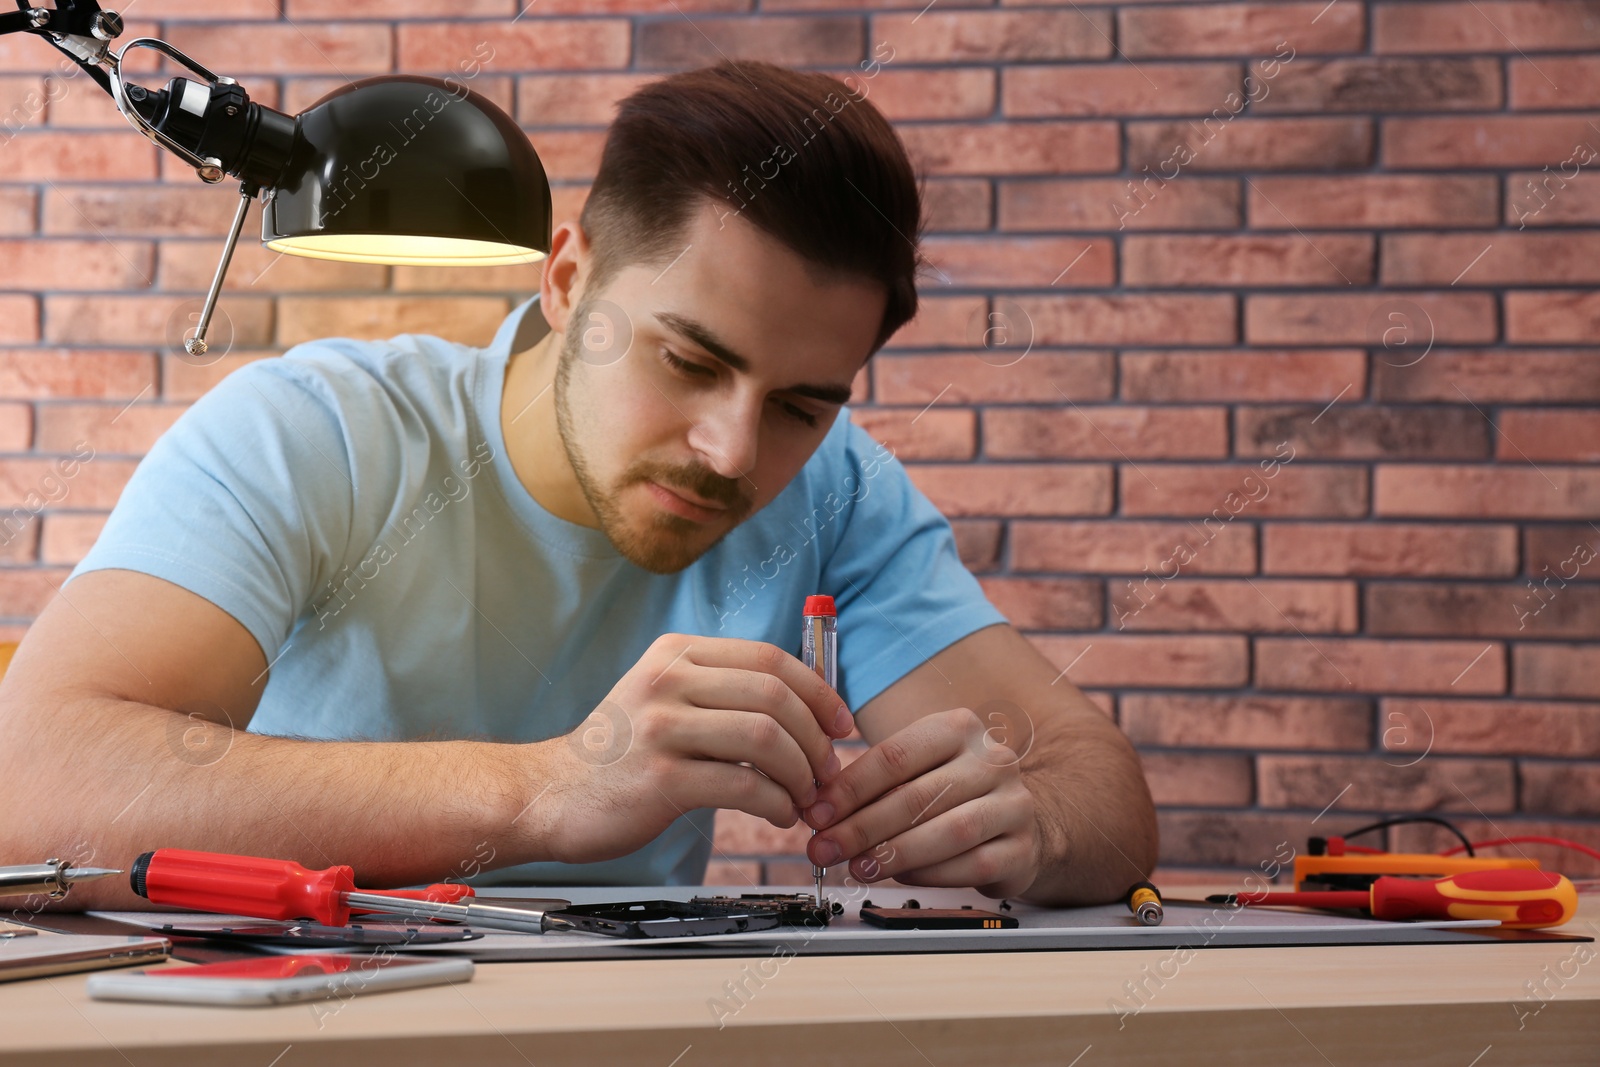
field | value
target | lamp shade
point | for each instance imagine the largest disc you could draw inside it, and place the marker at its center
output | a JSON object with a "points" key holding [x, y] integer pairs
{"points": [[409, 170]]}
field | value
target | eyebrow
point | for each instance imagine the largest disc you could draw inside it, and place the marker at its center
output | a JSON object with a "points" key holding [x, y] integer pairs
{"points": [[700, 335]]}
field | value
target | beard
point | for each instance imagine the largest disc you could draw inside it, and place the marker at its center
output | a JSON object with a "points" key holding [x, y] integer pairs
{"points": [[662, 543]]}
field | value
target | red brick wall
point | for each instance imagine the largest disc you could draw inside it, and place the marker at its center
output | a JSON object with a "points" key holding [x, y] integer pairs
{"points": [[1340, 308]]}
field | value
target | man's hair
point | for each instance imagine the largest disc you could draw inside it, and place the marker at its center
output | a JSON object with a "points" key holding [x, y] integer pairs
{"points": [[799, 154]]}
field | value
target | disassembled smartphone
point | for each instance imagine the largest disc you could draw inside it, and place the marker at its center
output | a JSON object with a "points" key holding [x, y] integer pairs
{"points": [[792, 909], [279, 979], [665, 918], [915, 917], [311, 935]]}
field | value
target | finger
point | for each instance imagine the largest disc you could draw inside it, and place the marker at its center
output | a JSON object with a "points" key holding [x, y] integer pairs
{"points": [[713, 784], [1000, 867], [902, 809], [827, 708], [961, 829], [899, 758], [743, 737], [768, 696]]}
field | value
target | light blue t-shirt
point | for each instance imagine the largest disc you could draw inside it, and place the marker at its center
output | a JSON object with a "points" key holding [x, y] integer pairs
{"points": [[352, 505]]}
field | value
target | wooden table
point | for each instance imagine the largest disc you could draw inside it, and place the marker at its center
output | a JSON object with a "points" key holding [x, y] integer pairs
{"points": [[1486, 1005]]}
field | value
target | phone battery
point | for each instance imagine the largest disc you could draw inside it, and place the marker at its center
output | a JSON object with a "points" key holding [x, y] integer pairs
{"points": [[936, 919]]}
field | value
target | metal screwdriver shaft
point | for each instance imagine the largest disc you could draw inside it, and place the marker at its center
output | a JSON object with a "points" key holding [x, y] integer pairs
{"points": [[819, 650]]}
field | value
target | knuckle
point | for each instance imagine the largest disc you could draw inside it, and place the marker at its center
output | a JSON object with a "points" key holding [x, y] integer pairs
{"points": [[985, 869], [970, 826], [894, 754], [965, 720], [769, 657], [771, 691]]}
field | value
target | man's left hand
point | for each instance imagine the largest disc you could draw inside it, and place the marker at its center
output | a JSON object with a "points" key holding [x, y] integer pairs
{"points": [[939, 803]]}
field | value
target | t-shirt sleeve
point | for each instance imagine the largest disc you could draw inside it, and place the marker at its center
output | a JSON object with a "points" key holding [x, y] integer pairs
{"points": [[898, 583], [246, 500]]}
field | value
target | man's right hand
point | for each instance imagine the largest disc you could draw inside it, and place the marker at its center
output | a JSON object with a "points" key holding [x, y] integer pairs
{"points": [[673, 735]]}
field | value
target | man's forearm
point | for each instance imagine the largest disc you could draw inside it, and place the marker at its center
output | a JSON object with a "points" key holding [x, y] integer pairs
{"points": [[106, 779], [1097, 824]]}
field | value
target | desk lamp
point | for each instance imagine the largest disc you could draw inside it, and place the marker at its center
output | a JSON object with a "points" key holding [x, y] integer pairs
{"points": [[393, 169]]}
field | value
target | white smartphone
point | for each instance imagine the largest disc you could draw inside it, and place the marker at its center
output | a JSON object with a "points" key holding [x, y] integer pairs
{"points": [[279, 979]]}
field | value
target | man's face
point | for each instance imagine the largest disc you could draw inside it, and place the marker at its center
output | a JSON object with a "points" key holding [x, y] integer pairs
{"points": [[688, 396]]}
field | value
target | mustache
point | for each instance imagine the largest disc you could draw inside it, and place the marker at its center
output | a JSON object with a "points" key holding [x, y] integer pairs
{"points": [[705, 484]]}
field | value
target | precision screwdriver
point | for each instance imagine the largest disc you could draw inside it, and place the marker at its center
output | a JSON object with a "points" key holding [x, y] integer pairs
{"points": [[1520, 899], [819, 650], [53, 878]]}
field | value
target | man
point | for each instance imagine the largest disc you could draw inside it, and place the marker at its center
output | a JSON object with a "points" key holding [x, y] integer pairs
{"points": [[527, 613]]}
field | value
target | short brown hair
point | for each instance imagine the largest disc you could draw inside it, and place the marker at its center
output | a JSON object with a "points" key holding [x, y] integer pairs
{"points": [[844, 195]]}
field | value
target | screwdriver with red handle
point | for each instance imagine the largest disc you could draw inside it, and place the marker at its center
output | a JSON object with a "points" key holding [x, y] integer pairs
{"points": [[1520, 899], [225, 884]]}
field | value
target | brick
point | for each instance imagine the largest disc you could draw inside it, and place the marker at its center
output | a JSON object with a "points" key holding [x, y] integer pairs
{"points": [[1322, 375], [1259, 606], [1482, 141], [1048, 603], [24, 103], [26, 54], [153, 320], [984, 377], [1484, 26], [632, 7], [1558, 195], [575, 99], [1259, 841], [1116, 203], [1562, 436], [1551, 670], [1026, 488], [301, 93], [569, 155], [310, 10], [19, 539], [1350, 431], [186, 378], [1526, 610], [1437, 491], [204, 9], [1145, 660], [111, 429], [1382, 550], [1559, 788], [1104, 432], [1560, 549], [1382, 85], [1371, 318], [187, 266], [1223, 493], [1114, 90], [345, 49], [991, 36], [952, 204], [1370, 665], [1248, 722], [16, 426], [19, 319], [799, 41], [1552, 317], [1576, 82], [947, 322], [1240, 29], [1042, 147], [1493, 727], [68, 536], [80, 265], [738, 833], [19, 208], [1426, 838], [525, 45], [152, 211], [24, 593], [946, 93], [977, 543], [1121, 547], [81, 155], [999, 262], [1230, 260], [1368, 201], [1566, 258], [1120, 319], [1222, 142], [468, 320], [41, 374], [1491, 377], [96, 483], [1199, 778], [516, 278], [745, 875], [938, 433], [1362, 783]]}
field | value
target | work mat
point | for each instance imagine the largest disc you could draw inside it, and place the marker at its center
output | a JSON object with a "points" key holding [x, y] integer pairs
{"points": [[1110, 926]]}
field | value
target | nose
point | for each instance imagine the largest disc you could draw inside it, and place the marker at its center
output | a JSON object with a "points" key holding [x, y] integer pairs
{"points": [[726, 436]]}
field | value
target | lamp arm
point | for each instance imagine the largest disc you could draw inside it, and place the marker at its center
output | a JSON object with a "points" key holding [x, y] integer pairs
{"points": [[76, 28]]}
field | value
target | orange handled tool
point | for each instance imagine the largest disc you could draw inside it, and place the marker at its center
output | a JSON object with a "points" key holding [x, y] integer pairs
{"points": [[263, 888], [1520, 899]]}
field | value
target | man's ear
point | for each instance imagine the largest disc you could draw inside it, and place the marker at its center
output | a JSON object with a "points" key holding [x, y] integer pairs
{"points": [[565, 269]]}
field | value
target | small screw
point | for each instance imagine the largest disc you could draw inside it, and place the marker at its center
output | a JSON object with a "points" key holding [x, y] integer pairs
{"points": [[107, 25], [38, 16]]}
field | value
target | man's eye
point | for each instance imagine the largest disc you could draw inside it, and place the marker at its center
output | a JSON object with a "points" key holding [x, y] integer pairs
{"points": [[799, 414], [684, 366]]}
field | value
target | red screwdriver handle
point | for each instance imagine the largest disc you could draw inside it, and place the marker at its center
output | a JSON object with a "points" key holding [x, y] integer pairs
{"points": [[243, 885], [1520, 899]]}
